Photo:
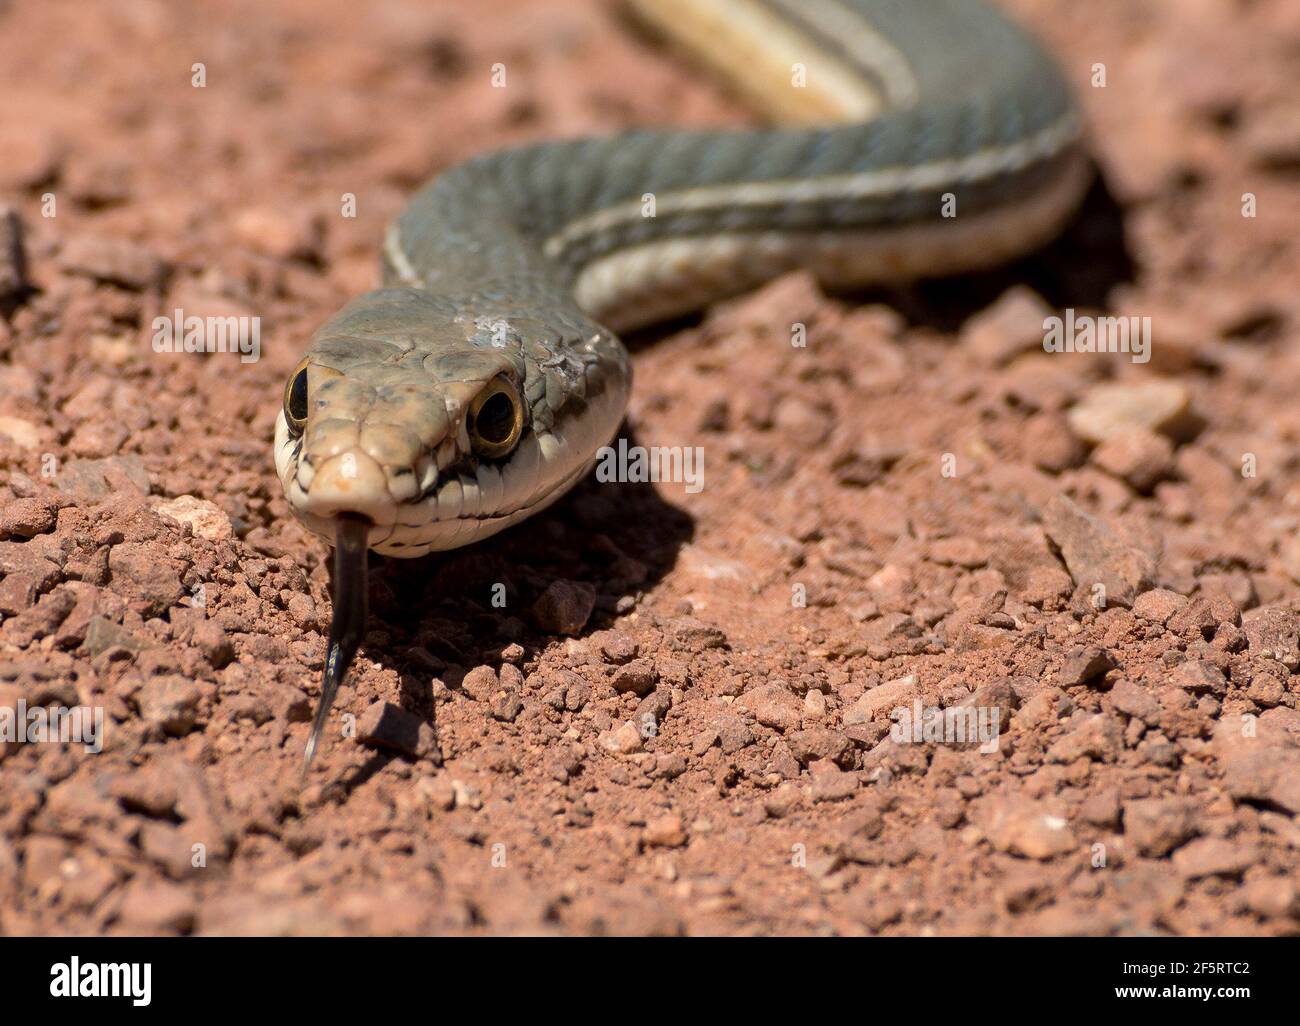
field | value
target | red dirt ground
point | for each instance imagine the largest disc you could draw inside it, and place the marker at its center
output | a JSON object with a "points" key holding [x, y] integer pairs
{"points": [[945, 494]]}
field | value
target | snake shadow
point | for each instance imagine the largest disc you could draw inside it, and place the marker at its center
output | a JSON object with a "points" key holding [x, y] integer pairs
{"points": [[1081, 268], [445, 613]]}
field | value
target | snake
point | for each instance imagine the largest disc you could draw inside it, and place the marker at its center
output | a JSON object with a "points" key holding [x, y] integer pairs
{"points": [[903, 140]]}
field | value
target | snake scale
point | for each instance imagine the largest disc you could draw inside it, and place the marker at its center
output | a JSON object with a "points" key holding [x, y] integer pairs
{"points": [[472, 389]]}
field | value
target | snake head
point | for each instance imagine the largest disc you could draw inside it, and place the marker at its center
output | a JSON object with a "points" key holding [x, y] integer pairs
{"points": [[438, 430]]}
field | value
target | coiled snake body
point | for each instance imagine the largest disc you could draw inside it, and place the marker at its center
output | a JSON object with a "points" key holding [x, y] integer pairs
{"points": [[474, 388]]}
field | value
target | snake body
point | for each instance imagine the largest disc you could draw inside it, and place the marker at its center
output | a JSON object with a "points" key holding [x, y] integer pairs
{"points": [[475, 386]]}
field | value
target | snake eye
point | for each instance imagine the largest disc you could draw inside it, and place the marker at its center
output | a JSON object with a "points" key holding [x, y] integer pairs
{"points": [[496, 419], [295, 400]]}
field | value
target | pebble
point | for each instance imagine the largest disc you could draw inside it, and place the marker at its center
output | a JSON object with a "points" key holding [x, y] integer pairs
{"points": [[1213, 856], [622, 740], [1108, 410], [885, 696], [1085, 665], [618, 647], [101, 635], [158, 905], [1012, 325], [1136, 701], [1101, 809], [1095, 554], [26, 518], [170, 703], [115, 261], [1273, 897], [1271, 138], [22, 433], [206, 519], [18, 592], [1199, 677], [1273, 632], [637, 677], [821, 743], [564, 607], [1263, 766], [1024, 828], [1158, 605], [1099, 737], [387, 726], [1141, 459], [667, 831], [1050, 443], [1156, 826], [481, 683], [139, 572], [773, 706], [506, 706]]}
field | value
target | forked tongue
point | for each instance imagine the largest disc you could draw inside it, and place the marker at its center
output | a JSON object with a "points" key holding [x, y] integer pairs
{"points": [[350, 537]]}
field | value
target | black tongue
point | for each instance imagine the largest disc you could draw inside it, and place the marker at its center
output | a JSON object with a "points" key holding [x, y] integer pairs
{"points": [[350, 537]]}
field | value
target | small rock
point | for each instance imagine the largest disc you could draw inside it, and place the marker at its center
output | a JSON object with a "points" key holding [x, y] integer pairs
{"points": [[1273, 632], [26, 518], [1012, 325], [18, 593], [115, 261], [1195, 620], [1213, 856], [666, 831], [1200, 678], [1157, 826], [623, 740], [143, 574], [158, 906], [1099, 737], [1085, 665], [773, 706], [1095, 555], [1158, 605], [1141, 459], [1113, 409], [481, 683], [564, 607], [1024, 828], [388, 726], [206, 519], [638, 677], [1133, 700], [694, 636], [885, 696], [1271, 137], [1101, 809], [1273, 897], [101, 635], [821, 743], [1050, 443], [1261, 764], [507, 706], [618, 648], [22, 433], [170, 703]]}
